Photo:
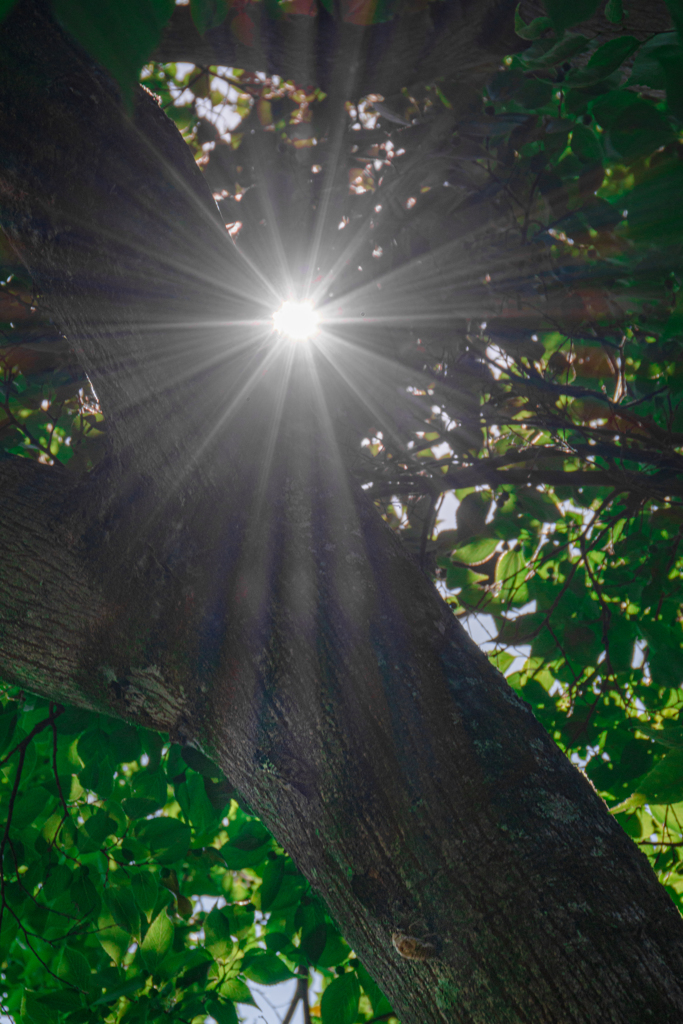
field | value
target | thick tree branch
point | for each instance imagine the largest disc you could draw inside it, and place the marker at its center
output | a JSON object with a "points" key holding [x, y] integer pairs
{"points": [[48, 609], [463, 39]]}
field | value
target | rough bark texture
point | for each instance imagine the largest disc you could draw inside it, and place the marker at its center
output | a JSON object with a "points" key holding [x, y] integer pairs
{"points": [[454, 38], [221, 577]]}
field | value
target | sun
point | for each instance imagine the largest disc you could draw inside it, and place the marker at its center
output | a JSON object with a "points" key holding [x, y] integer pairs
{"points": [[297, 320]]}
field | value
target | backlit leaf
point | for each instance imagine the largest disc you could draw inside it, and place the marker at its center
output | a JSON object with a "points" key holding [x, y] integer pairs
{"points": [[267, 969], [121, 904], [664, 783], [156, 942], [565, 13], [339, 1004]]}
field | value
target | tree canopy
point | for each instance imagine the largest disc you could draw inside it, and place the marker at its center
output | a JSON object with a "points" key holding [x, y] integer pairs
{"points": [[499, 262]]}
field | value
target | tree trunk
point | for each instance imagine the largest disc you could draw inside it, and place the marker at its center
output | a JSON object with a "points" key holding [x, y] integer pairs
{"points": [[223, 578]]}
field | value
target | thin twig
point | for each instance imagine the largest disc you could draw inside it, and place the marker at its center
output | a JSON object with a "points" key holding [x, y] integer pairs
{"points": [[34, 732], [54, 759]]}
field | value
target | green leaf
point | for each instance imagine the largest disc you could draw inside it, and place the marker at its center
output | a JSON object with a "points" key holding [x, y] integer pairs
{"points": [[223, 1012], [276, 942], [521, 629], [176, 964], [379, 1002], [98, 826], [97, 776], [150, 785], [35, 1011], [125, 743], [586, 145], [614, 11], [201, 763], [267, 969], [8, 723], [612, 54], [534, 94], [237, 991], [201, 811], [676, 11], [476, 550], [220, 794], [563, 50], [292, 889], [511, 573], [121, 905], [114, 940], [339, 1004], [139, 806], [535, 28], [74, 968], [672, 64], [157, 942], [64, 1001], [335, 951], [57, 882], [461, 576], [120, 34], [93, 746], [218, 937], [73, 721], [273, 874], [639, 129], [664, 783], [655, 212], [248, 843], [146, 891], [606, 60], [126, 988], [609, 109], [670, 736], [84, 897], [313, 942], [29, 806], [565, 13], [664, 653], [207, 14], [167, 838], [471, 514], [648, 68], [538, 504]]}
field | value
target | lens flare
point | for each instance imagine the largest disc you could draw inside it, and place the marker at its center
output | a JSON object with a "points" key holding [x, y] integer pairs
{"points": [[297, 320]]}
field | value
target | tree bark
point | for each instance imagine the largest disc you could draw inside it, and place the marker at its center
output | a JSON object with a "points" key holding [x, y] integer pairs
{"points": [[222, 577]]}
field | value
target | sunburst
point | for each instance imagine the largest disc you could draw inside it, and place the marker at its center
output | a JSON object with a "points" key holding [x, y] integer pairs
{"points": [[297, 321]]}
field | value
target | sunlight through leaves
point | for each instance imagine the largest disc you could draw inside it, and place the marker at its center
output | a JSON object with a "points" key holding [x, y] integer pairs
{"points": [[296, 320]]}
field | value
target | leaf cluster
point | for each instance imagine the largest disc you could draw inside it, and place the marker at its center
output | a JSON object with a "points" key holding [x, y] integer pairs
{"points": [[135, 888]]}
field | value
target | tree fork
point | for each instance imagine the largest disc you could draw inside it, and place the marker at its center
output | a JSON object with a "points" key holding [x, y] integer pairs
{"points": [[273, 618]]}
